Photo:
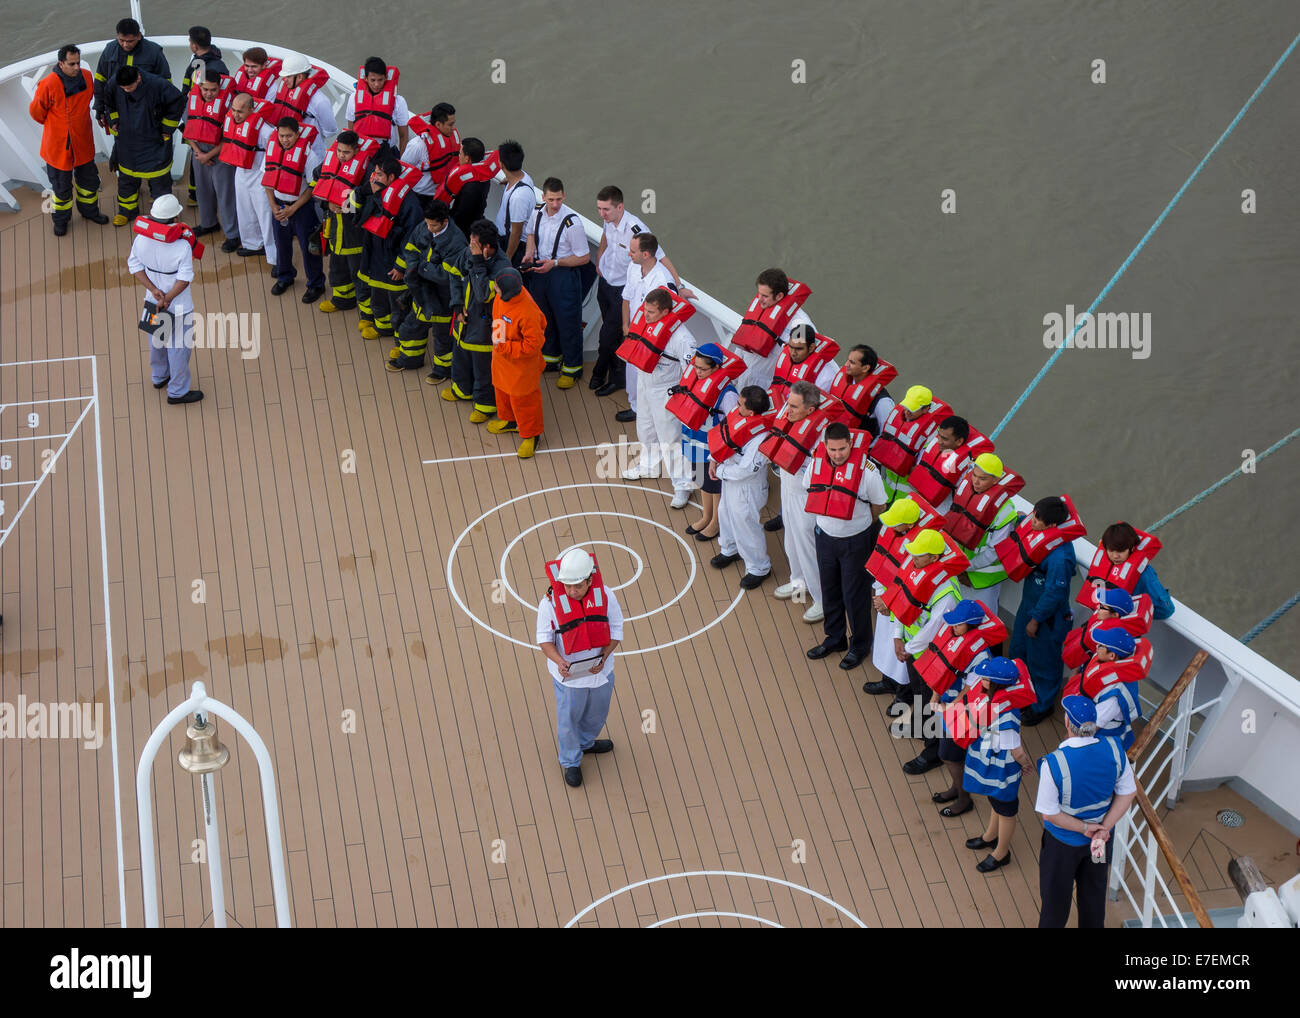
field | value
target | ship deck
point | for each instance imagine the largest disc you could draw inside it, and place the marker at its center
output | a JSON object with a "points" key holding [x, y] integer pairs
{"points": [[329, 595]]}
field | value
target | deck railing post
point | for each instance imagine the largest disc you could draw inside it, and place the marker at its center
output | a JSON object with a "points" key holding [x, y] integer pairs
{"points": [[1149, 880], [1182, 733]]}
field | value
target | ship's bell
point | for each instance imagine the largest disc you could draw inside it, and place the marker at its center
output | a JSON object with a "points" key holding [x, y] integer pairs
{"points": [[204, 752]]}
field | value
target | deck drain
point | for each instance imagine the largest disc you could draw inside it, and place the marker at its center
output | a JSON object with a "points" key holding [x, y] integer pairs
{"points": [[1230, 818]]}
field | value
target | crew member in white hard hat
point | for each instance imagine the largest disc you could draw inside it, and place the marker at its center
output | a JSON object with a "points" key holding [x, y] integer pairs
{"points": [[165, 268], [579, 624], [306, 104]]}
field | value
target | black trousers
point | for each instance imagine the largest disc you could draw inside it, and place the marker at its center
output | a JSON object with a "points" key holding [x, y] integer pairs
{"points": [[86, 178], [846, 588], [609, 365], [1063, 869]]}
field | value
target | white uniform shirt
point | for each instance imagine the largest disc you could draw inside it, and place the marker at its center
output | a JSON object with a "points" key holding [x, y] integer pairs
{"points": [[668, 372], [573, 238], [401, 117], [637, 285], [320, 114], [746, 466], [515, 204], [871, 490], [1048, 802], [614, 262], [416, 154], [926, 634], [313, 160], [546, 633], [164, 264], [884, 407]]}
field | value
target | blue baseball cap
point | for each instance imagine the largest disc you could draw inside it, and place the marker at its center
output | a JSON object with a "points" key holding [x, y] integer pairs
{"points": [[1001, 671], [1114, 638], [712, 351], [1080, 710], [968, 613], [1116, 599]]}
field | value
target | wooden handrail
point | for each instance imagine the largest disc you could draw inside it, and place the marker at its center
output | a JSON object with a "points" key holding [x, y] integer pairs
{"points": [[1167, 705]]}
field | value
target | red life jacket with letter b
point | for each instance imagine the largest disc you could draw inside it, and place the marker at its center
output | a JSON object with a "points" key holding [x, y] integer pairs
{"points": [[337, 178], [239, 141], [790, 443], [833, 490], [1098, 675], [859, 398], [285, 167], [293, 102], [909, 595], [1022, 549], [373, 113], [973, 513], [788, 372], [1126, 574], [646, 343], [582, 625], [888, 555], [1079, 645], [900, 441], [966, 718], [442, 149], [258, 87], [390, 202], [948, 656], [459, 176], [937, 470], [735, 432], [693, 406], [761, 328], [168, 232], [204, 120]]}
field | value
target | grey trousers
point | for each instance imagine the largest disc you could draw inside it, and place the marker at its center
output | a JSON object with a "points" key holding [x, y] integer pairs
{"points": [[169, 357], [215, 187]]}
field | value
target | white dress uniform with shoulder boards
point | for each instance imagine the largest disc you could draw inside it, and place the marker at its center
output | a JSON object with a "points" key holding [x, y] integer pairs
{"points": [[164, 264], [256, 225], [636, 286], [615, 261], [744, 493]]}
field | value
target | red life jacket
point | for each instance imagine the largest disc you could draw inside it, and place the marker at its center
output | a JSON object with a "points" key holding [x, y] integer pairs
{"points": [[582, 625], [646, 343], [285, 168], [293, 102], [337, 178], [204, 120], [258, 87], [735, 432], [1079, 644], [1097, 675], [973, 513], [760, 329], [888, 555], [900, 441], [787, 372], [937, 470], [1022, 549], [966, 718], [239, 141], [442, 149], [948, 656], [373, 113], [1126, 574], [790, 443], [910, 593], [833, 490], [390, 202], [168, 232], [459, 176], [859, 398], [693, 406]]}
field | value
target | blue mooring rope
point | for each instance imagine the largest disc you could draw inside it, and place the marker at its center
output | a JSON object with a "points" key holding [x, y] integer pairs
{"points": [[1271, 617], [1142, 243], [1197, 499]]}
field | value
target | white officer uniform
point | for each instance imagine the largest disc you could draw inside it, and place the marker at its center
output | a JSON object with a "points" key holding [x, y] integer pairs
{"points": [[614, 265], [658, 429], [320, 114], [761, 370], [744, 493], [582, 703], [515, 205], [572, 240], [798, 532], [635, 288], [256, 227], [164, 264], [401, 117]]}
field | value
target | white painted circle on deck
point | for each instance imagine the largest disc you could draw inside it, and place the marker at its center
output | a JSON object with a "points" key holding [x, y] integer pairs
{"points": [[640, 565]]}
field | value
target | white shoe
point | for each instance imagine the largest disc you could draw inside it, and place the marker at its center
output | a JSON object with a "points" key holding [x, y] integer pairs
{"points": [[786, 591], [636, 473], [814, 614], [681, 499]]}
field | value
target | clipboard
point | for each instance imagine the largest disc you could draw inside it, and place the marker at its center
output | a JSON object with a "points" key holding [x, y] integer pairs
{"points": [[584, 668]]}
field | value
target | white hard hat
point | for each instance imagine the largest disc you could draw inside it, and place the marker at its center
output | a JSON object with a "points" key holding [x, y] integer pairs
{"points": [[576, 565], [166, 207], [294, 64]]}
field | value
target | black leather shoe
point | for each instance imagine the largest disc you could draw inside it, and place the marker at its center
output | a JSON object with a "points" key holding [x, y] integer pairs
{"points": [[231, 245], [279, 288], [922, 763], [879, 687], [701, 536], [608, 389], [597, 381], [248, 252], [751, 582], [1031, 717], [990, 864], [203, 231], [159, 385], [193, 396], [601, 746], [979, 844], [60, 229], [825, 649], [774, 524], [314, 294], [99, 219], [850, 660], [625, 416], [573, 776], [721, 561]]}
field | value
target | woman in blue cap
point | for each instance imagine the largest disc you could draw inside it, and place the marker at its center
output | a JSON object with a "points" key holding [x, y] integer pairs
{"points": [[955, 800], [695, 442], [996, 760]]}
